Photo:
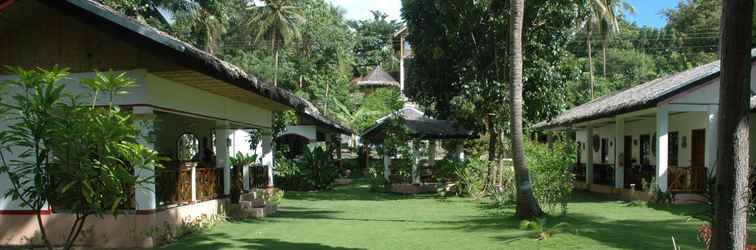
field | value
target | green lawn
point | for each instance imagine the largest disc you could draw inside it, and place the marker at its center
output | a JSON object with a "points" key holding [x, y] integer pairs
{"points": [[354, 218]]}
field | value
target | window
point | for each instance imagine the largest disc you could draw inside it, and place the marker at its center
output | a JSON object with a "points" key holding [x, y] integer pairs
{"points": [[188, 147], [579, 152], [673, 145]]}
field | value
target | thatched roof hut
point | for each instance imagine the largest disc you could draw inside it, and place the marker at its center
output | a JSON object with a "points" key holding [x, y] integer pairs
{"points": [[378, 78], [419, 126]]}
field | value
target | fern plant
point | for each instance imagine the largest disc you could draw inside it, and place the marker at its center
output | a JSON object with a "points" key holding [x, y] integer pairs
{"points": [[543, 230]]}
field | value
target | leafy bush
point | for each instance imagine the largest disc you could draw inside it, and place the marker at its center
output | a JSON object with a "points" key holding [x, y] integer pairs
{"points": [[375, 177], [315, 171], [542, 229], [239, 161], [551, 179], [506, 194], [472, 178], [447, 169]]}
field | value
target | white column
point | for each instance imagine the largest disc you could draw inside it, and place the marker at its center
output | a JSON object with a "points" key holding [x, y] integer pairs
{"points": [[662, 148], [145, 196], [401, 67], [619, 152], [386, 164], [460, 149], [415, 161], [194, 183], [222, 156], [432, 152], [589, 156], [245, 176], [711, 140], [267, 154]]}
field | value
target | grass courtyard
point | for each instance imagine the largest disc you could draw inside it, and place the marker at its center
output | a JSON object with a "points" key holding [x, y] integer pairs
{"points": [[352, 217]]}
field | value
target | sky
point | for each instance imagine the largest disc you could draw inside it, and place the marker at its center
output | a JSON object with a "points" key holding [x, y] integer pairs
{"points": [[647, 12]]}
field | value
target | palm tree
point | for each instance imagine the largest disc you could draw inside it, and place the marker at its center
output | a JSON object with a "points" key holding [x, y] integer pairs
{"points": [[351, 118], [602, 18], [527, 205], [205, 21], [278, 20], [610, 24], [732, 192]]}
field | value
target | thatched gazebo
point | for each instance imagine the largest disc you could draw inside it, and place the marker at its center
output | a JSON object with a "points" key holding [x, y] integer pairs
{"points": [[419, 128], [377, 78]]}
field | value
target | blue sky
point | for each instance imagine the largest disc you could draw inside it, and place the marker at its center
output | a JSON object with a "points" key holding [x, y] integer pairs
{"points": [[647, 12]]}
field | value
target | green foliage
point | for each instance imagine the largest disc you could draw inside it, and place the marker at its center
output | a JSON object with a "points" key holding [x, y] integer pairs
{"points": [[243, 160], [542, 230], [74, 154], [374, 43], [551, 179], [273, 196], [203, 223], [315, 171], [375, 177]]}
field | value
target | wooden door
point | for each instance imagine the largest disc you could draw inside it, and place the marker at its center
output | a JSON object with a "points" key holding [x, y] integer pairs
{"points": [[628, 160], [698, 159]]}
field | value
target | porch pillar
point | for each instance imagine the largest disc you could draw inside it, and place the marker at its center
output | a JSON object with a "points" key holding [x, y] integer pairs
{"points": [[460, 150], [194, 183], [432, 153], [662, 148], [711, 141], [589, 156], [245, 177], [619, 152], [145, 195], [415, 161], [386, 164], [267, 155], [222, 157]]}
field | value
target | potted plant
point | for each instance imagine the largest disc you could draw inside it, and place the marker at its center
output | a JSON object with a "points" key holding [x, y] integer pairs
{"points": [[239, 162]]}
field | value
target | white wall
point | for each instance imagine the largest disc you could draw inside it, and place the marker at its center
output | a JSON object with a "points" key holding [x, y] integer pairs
{"points": [[168, 94]]}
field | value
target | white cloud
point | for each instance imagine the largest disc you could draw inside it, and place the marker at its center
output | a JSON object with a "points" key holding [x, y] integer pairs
{"points": [[360, 9]]}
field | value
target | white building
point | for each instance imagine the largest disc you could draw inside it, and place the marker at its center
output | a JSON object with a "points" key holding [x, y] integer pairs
{"points": [[664, 130]]}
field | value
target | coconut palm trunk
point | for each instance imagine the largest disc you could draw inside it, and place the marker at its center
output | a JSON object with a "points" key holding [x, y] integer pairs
{"points": [[275, 58], [590, 57], [732, 170], [527, 205]]}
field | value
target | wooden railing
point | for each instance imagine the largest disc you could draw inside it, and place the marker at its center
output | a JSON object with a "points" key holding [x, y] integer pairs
{"points": [[174, 184], [208, 183], [258, 176], [686, 179]]}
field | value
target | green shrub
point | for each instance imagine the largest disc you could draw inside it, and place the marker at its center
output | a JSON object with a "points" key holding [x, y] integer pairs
{"points": [[469, 178], [447, 169], [506, 194], [551, 180], [375, 177], [315, 171]]}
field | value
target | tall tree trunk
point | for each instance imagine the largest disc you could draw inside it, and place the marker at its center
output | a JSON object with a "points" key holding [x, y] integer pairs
{"points": [[731, 190], [590, 57], [492, 156], [527, 205], [275, 52], [603, 54]]}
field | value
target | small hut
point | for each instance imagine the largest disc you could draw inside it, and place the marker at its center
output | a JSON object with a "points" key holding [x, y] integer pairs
{"points": [[377, 79], [421, 131]]}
